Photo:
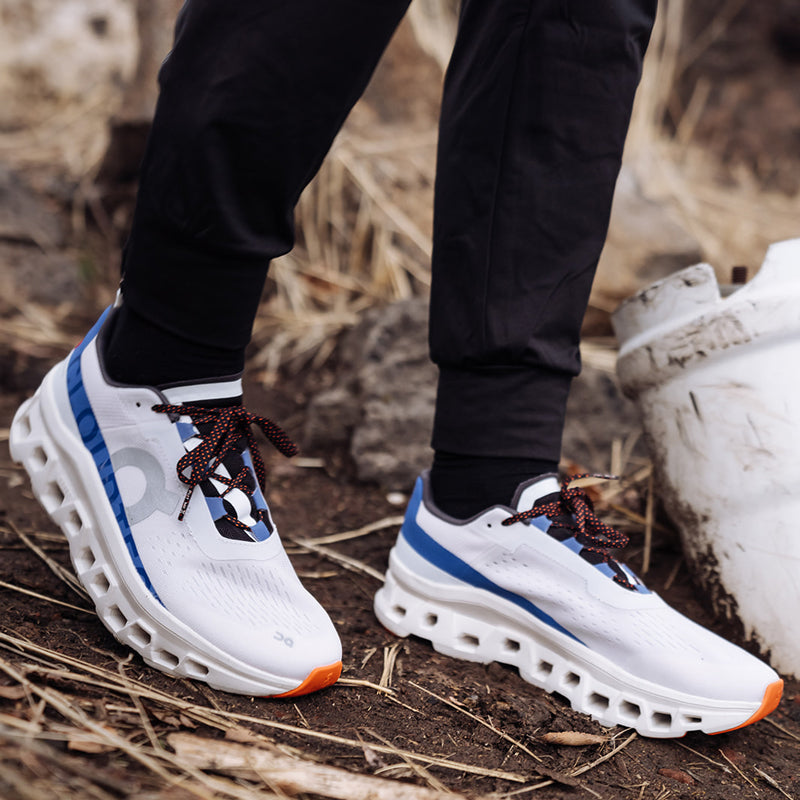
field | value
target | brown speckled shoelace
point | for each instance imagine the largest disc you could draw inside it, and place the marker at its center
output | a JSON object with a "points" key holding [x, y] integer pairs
{"points": [[228, 426], [573, 511]]}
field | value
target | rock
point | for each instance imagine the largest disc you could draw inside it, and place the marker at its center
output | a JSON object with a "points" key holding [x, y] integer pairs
{"points": [[382, 404], [25, 217], [29, 275], [332, 417], [33, 265]]}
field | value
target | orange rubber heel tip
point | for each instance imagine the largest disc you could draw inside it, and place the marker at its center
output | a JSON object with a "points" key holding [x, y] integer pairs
{"points": [[317, 679], [772, 696]]}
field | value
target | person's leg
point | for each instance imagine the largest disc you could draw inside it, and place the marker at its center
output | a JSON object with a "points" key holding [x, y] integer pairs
{"points": [[137, 443], [251, 99], [536, 107]]}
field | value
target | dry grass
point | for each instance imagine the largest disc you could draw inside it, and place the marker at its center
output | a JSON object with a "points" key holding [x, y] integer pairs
{"points": [[98, 710], [362, 241], [364, 238], [70, 715], [84, 726], [364, 224], [361, 248], [732, 217]]}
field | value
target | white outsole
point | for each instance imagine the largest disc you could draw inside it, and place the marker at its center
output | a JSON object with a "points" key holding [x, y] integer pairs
{"points": [[63, 476], [475, 625]]}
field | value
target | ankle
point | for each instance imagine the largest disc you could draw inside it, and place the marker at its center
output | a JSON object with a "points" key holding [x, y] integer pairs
{"points": [[466, 485], [140, 352]]}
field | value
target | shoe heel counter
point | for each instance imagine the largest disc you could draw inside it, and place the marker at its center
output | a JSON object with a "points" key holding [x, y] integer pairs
{"points": [[410, 519]]}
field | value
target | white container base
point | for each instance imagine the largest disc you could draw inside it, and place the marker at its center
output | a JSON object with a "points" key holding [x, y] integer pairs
{"points": [[717, 382]]}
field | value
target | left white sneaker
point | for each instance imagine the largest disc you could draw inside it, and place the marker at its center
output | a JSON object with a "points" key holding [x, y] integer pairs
{"points": [[537, 588], [158, 494]]}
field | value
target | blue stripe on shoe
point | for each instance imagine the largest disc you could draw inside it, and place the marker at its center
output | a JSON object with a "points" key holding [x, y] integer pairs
{"points": [[442, 558], [216, 507], [260, 532], [96, 445], [186, 430]]}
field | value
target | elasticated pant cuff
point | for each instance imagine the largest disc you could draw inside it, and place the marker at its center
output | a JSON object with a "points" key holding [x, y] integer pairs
{"points": [[501, 411], [191, 291]]}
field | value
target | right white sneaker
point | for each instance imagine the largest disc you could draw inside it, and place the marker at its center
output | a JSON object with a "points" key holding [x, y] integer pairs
{"points": [[168, 529], [535, 586]]}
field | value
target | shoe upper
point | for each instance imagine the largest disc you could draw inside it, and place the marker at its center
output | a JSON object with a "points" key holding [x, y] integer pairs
{"points": [[534, 564], [205, 547]]}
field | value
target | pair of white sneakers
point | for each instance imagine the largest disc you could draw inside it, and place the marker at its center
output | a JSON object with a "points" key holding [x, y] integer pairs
{"points": [[158, 494]]}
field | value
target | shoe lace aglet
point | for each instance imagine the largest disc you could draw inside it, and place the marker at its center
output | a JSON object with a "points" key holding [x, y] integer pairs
{"points": [[185, 504]]}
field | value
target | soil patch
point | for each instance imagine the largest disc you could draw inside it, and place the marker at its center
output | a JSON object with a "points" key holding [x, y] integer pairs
{"points": [[485, 717]]}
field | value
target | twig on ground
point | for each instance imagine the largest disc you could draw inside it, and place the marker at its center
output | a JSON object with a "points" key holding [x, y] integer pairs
{"points": [[404, 705], [781, 728], [723, 767], [348, 563], [773, 783], [28, 728], [294, 775], [673, 573], [389, 657], [60, 572], [610, 754], [418, 770], [524, 789], [137, 702], [44, 597], [755, 788], [364, 530], [573, 738], [366, 684]]}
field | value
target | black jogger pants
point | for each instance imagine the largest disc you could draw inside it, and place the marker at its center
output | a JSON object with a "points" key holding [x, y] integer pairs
{"points": [[536, 106]]}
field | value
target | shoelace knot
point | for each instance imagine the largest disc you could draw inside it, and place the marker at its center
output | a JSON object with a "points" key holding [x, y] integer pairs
{"points": [[574, 511]]}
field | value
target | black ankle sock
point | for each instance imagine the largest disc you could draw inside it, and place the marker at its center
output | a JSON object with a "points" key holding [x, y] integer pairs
{"points": [[466, 485], [138, 352]]}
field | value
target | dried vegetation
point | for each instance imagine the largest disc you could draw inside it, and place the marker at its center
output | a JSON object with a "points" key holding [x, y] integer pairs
{"points": [[71, 727]]}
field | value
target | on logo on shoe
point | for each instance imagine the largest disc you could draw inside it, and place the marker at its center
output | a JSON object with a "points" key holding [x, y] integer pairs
{"points": [[155, 495]]}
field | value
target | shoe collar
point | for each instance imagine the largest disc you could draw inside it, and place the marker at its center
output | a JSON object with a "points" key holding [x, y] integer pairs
{"points": [[224, 391], [534, 489]]}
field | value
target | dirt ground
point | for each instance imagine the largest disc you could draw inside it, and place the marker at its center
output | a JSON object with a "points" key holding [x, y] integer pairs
{"points": [[485, 718], [80, 717]]}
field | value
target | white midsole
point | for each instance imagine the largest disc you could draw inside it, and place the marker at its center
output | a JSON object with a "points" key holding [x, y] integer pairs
{"points": [[466, 622]]}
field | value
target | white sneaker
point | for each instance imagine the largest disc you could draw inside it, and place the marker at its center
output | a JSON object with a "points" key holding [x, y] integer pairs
{"points": [[187, 570], [536, 588]]}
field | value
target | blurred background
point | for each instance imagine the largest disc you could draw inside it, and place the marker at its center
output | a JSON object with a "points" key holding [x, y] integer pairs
{"points": [[711, 173]]}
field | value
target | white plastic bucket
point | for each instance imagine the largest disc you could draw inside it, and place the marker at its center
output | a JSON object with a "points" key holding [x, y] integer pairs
{"points": [[717, 383]]}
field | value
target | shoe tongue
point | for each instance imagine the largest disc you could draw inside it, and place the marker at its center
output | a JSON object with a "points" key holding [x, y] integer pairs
{"points": [[219, 393], [530, 491]]}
